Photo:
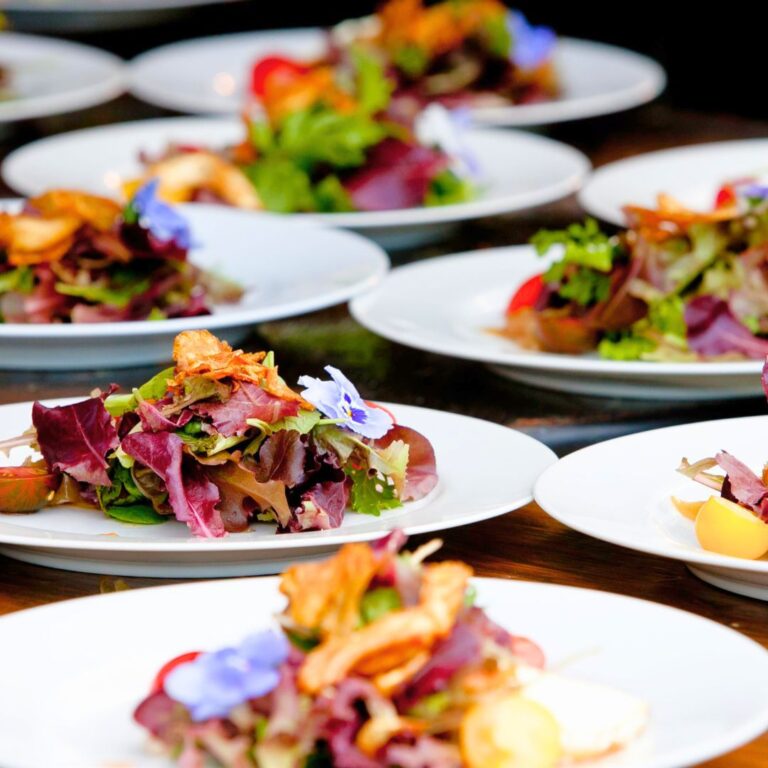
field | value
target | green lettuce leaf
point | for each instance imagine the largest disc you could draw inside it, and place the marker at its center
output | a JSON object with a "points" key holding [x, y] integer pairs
{"points": [[21, 279], [331, 197], [282, 185], [119, 297], [625, 346], [370, 494], [447, 189], [154, 389], [379, 602], [372, 86], [584, 244], [138, 514]]}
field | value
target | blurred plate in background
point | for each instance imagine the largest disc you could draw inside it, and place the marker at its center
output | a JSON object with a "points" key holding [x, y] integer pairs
{"points": [[48, 77], [520, 170], [209, 75]]}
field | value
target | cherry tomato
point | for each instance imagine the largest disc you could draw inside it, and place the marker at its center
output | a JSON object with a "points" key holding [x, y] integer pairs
{"points": [[158, 683], [271, 65], [726, 196], [526, 294], [25, 489]]}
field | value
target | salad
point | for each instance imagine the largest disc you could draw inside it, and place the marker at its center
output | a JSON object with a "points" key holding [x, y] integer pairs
{"points": [[734, 520], [5, 80], [455, 52], [71, 257], [219, 442], [330, 142], [382, 660], [675, 285]]}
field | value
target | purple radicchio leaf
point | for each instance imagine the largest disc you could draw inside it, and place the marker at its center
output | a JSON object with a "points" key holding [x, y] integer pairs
{"points": [[76, 439], [714, 330]]}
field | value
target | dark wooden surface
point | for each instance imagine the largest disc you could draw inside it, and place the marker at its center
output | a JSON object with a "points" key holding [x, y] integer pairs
{"points": [[522, 545]]}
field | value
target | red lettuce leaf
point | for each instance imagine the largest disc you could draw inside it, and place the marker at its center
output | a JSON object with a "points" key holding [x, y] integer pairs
{"points": [[421, 475], [283, 457], [396, 175], [713, 330], [322, 507], [161, 716], [76, 439], [420, 751], [742, 485], [192, 496], [152, 419], [249, 401]]}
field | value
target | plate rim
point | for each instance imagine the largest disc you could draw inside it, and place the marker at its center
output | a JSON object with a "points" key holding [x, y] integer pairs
{"points": [[113, 83], [696, 556]]}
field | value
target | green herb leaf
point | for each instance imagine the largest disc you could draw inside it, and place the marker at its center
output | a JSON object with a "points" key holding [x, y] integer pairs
{"points": [[668, 316], [113, 297], [370, 493], [625, 347], [138, 514], [585, 245], [447, 189], [282, 185], [373, 87], [21, 279], [585, 286], [379, 602], [331, 197]]}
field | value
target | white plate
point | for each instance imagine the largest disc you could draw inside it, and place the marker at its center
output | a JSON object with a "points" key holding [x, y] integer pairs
{"points": [[471, 292], [691, 174], [208, 75], [619, 491], [522, 171], [285, 269], [108, 648], [49, 76], [494, 477]]}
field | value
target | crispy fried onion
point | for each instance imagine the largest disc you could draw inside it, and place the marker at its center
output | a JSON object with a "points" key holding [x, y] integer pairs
{"points": [[326, 596], [47, 235], [392, 642], [182, 176], [200, 353]]}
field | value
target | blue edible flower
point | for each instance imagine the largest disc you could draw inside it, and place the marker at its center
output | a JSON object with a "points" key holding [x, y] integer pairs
{"points": [[163, 221], [531, 45], [338, 399], [215, 683]]}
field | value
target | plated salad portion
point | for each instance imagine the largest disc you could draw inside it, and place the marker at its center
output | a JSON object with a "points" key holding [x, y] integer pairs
{"points": [[330, 141], [382, 660], [675, 285], [220, 442], [456, 52], [71, 257], [734, 520]]}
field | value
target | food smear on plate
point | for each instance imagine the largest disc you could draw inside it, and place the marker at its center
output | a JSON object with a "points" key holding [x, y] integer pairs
{"points": [[472, 53], [220, 442], [71, 257], [676, 285], [328, 142], [382, 660], [735, 521], [5, 78]]}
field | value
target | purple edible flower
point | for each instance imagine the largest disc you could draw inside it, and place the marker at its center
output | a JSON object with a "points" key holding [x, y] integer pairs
{"points": [[531, 45], [447, 129], [213, 684], [338, 399], [753, 191], [163, 221]]}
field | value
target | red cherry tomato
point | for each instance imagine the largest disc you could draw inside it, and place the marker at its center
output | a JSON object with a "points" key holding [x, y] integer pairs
{"points": [[271, 65], [158, 684], [726, 196], [25, 489], [389, 413], [526, 294]]}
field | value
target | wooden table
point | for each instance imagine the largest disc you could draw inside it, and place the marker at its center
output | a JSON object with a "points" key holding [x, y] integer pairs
{"points": [[526, 544]]}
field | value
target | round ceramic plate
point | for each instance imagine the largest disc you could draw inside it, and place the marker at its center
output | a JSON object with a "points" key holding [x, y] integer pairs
{"points": [[474, 290], [285, 270], [619, 491], [520, 171], [496, 476], [691, 174], [47, 77], [209, 74], [85, 691]]}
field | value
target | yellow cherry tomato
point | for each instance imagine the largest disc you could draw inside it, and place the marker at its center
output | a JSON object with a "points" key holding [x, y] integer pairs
{"points": [[727, 528], [510, 732]]}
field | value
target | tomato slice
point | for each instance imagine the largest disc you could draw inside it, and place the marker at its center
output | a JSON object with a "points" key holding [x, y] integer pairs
{"points": [[158, 684], [264, 69], [527, 294], [25, 489], [726, 196]]}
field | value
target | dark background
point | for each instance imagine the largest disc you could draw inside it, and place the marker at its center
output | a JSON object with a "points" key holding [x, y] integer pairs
{"points": [[714, 59]]}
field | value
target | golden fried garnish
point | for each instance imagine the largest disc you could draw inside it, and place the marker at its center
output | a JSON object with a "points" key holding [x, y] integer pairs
{"points": [[200, 353], [394, 639], [671, 218], [284, 95], [326, 596], [182, 175], [391, 681], [34, 240], [380, 730], [100, 212]]}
